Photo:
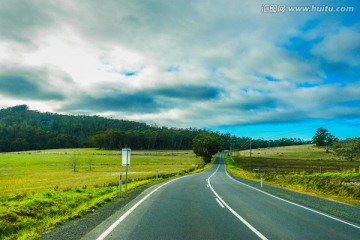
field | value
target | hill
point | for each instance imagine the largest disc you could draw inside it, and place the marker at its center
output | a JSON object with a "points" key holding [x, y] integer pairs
{"points": [[22, 129]]}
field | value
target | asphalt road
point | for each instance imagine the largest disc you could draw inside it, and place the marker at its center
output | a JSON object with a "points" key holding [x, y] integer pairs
{"points": [[212, 205]]}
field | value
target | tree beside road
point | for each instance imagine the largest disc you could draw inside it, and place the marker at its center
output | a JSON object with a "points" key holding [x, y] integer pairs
{"points": [[205, 145], [322, 137]]}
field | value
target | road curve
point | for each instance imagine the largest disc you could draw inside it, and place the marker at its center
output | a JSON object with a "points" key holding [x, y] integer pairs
{"points": [[212, 205]]}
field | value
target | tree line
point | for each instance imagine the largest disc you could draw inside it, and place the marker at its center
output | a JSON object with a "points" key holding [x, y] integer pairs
{"points": [[23, 129]]}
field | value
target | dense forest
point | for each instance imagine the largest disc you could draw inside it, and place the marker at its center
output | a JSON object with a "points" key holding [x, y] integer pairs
{"points": [[23, 129]]}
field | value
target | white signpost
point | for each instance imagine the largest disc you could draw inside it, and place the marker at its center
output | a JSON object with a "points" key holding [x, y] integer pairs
{"points": [[126, 152]]}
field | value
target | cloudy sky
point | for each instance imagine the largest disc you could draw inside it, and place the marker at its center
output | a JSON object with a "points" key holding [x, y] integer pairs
{"points": [[249, 67]]}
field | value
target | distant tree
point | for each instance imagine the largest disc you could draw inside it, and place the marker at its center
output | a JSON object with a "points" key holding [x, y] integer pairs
{"points": [[20, 144], [322, 137], [90, 161], [74, 162], [349, 148], [319, 137], [18, 108], [330, 140], [206, 145]]}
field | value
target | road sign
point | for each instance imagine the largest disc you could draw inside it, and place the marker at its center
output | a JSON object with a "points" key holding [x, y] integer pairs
{"points": [[126, 152]]}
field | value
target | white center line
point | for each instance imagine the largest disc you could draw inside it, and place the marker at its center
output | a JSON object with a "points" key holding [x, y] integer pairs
{"points": [[219, 202], [233, 211]]}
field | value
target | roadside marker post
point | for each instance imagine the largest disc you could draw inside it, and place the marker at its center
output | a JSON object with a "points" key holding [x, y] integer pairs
{"points": [[127, 170], [126, 152], [157, 174], [261, 181], [120, 186], [250, 162]]}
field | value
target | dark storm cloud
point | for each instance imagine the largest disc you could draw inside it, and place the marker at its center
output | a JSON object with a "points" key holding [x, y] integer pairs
{"points": [[189, 92], [128, 102], [144, 101], [27, 84]]}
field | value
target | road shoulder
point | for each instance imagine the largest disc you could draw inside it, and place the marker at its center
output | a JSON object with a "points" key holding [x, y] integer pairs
{"points": [[77, 228], [339, 210]]}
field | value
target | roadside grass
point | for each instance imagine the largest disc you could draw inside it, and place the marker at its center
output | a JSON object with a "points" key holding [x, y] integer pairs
{"points": [[315, 172], [39, 189], [37, 171], [28, 216]]}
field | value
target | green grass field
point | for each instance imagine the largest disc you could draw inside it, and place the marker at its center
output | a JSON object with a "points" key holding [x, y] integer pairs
{"points": [[307, 158], [39, 189], [36, 171]]}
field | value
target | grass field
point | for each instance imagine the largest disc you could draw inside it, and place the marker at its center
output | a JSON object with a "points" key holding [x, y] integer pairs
{"points": [[39, 189], [308, 158], [304, 168], [36, 171]]}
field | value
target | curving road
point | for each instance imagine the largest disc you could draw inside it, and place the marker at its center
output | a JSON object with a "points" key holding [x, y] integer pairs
{"points": [[212, 205]]}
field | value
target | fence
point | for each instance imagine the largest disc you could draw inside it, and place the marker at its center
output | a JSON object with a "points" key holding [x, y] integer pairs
{"points": [[320, 169]]}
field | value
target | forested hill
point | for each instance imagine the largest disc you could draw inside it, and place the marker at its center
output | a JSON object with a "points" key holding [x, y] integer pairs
{"points": [[23, 129]]}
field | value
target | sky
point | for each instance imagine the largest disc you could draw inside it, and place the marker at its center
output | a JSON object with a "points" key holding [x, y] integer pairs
{"points": [[255, 68]]}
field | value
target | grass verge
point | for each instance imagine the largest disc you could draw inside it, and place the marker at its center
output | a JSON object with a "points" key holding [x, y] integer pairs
{"points": [[26, 213], [338, 186], [29, 216]]}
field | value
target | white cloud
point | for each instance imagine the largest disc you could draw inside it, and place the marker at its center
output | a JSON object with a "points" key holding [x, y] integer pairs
{"points": [[341, 46], [119, 51]]}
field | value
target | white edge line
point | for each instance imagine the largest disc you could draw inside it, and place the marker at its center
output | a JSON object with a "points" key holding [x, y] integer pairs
{"points": [[234, 212], [117, 222], [296, 204], [221, 205]]}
